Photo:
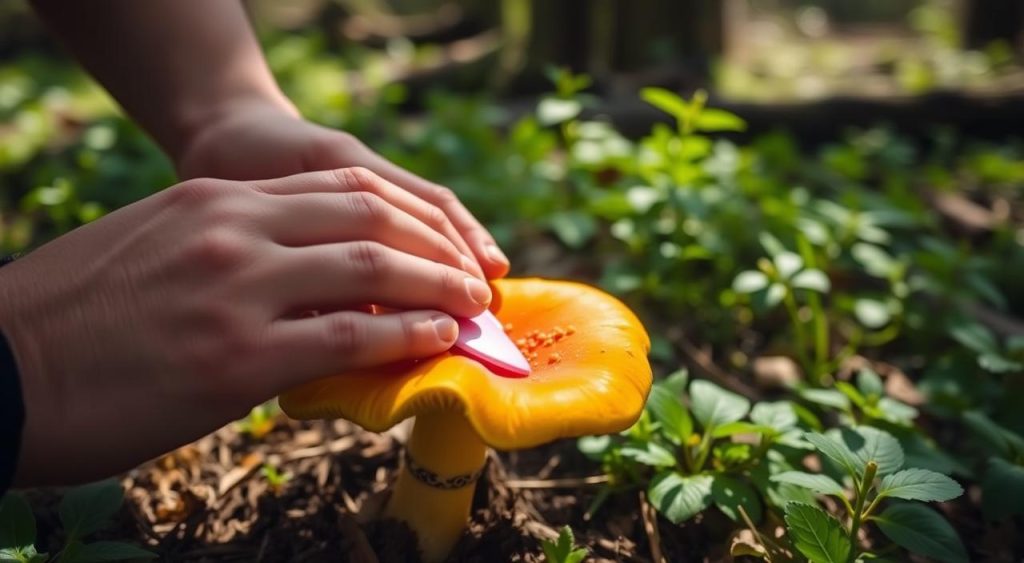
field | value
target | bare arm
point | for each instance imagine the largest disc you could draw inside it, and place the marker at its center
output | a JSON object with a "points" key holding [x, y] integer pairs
{"points": [[175, 65]]}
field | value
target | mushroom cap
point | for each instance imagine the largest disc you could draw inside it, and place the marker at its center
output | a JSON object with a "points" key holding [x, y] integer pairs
{"points": [[590, 374]]}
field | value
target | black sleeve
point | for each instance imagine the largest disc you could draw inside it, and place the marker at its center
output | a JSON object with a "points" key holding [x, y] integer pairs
{"points": [[12, 412]]}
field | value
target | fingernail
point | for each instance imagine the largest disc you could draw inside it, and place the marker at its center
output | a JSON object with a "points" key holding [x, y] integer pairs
{"points": [[495, 253], [446, 328], [478, 291], [471, 267]]}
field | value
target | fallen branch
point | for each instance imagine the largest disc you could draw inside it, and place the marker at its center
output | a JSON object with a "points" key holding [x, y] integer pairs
{"points": [[650, 518], [564, 483]]}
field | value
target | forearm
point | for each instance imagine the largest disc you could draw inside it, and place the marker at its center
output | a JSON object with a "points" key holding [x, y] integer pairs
{"points": [[174, 65]]}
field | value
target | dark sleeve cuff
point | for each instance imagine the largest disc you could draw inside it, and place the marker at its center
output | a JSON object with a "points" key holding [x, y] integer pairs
{"points": [[12, 412]]}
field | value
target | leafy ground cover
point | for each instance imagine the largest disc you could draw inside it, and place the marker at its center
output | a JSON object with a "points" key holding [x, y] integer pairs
{"points": [[835, 329]]}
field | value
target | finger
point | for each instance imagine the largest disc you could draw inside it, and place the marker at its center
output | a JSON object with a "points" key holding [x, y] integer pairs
{"points": [[315, 219], [338, 342], [480, 242], [332, 276], [356, 179]]}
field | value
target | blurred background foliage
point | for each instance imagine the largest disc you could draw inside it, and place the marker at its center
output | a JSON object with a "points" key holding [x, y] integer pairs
{"points": [[740, 233]]}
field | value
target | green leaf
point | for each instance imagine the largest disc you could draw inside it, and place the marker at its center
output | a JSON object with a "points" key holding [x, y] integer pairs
{"points": [[551, 111], [675, 382], [871, 444], [713, 120], [895, 411], [750, 281], [869, 384], [920, 484], [779, 415], [837, 451], [651, 454], [872, 313], [776, 292], [998, 363], [826, 397], [667, 101], [680, 497], [740, 427], [729, 494], [812, 280], [788, 263], [975, 337], [86, 509], [1002, 489], [594, 447], [921, 530], [818, 483], [17, 523], [1005, 442], [816, 534], [573, 228], [102, 551], [667, 409], [563, 549], [713, 406]]}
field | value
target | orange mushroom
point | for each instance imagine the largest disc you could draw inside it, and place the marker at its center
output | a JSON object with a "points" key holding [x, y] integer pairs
{"points": [[590, 375]]}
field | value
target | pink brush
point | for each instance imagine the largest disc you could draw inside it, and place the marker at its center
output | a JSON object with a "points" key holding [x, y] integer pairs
{"points": [[483, 339]]}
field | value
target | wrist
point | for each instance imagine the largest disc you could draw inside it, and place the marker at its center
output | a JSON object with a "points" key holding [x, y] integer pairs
{"points": [[200, 120]]}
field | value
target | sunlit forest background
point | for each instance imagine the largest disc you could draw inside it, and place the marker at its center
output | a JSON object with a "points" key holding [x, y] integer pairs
{"points": [[815, 205]]}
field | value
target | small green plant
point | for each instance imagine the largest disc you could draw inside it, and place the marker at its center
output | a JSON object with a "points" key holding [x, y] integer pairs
{"points": [[83, 511], [260, 420], [276, 478], [701, 453], [563, 549], [872, 461]]}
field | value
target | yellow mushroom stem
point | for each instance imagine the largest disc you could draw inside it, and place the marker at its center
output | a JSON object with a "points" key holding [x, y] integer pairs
{"points": [[434, 490]]}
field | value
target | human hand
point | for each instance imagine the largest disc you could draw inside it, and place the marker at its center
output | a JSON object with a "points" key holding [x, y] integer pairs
{"points": [[263, 139], [167, 318]]}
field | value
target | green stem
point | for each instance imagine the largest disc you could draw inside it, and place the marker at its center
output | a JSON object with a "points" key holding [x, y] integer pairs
{"points": [[704, 450], [871, 507], [798, 333], [862, 494]]}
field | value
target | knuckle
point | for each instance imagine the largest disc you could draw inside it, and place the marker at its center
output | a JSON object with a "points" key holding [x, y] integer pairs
{"points": [[437, 218], [371, 260], [444, 197], [451, 282], [218, 248], [344, 332], [370, 206], [198, 192], [356, 178]]}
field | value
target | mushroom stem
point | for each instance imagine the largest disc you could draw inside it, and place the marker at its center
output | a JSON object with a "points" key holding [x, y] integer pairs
{"points": [[434, 490]]}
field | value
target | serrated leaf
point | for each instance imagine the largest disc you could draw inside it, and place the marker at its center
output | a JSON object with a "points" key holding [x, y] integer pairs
{"points": [[816, 534], [17, 523], [919, 529], [713, 406], [750, 281], [1002, 489], [818, 483], [871, 444], [812, 280], [779, 415], [920, 484], [680, 497], [714, 120], [836, 451], [87, 508], [729, 494], [563, 549], [668, 410], [869, 383]]}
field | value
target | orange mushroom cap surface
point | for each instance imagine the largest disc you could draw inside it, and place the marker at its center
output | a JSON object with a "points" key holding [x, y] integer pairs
{"points": [[590, 374]]}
